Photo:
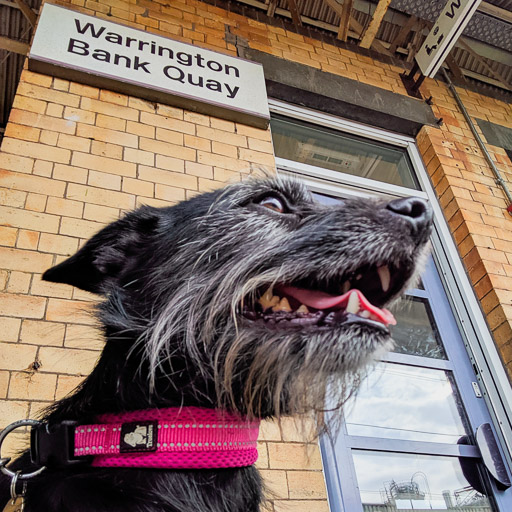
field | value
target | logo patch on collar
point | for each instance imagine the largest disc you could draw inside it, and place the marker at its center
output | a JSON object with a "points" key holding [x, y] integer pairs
{"points": [[139, 436]]}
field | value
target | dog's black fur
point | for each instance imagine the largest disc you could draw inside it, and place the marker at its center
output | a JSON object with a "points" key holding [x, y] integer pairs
{"points": [[179, 287]]}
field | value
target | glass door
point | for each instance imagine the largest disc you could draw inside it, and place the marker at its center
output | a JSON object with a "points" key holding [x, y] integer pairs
{"points": [[407, 442]]}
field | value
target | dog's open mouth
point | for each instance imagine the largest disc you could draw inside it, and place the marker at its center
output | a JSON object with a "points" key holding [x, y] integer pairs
{"points": [[360, 298]]}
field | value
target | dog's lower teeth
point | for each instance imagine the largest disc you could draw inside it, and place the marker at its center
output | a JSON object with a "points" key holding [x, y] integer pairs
{"points": [[364, 313], [385, 277], [284, 305], [268, 299], [303, 309], [353, 303]]}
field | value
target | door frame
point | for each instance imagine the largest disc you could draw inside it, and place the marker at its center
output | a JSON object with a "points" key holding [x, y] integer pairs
{"points": [[491, 374]]}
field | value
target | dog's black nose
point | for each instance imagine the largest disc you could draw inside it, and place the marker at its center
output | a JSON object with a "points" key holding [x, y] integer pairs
{"points": [[414, 210]]}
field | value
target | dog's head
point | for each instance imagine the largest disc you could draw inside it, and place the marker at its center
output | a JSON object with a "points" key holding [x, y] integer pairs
{"points": [[246, 297]]}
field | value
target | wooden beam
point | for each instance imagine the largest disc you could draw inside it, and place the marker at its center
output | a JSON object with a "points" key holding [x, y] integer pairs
{"points": [[357, 27], [416, 40], [294, 11], [495, 11], [9, 3], [454, 68], [488, 68], [374, 25], [27, 12], [14, 46], [403, 33], [272, 8], [345, 16]]}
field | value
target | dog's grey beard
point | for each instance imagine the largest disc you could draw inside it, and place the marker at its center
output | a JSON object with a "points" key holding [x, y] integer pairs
{"points": [[258, 371]]}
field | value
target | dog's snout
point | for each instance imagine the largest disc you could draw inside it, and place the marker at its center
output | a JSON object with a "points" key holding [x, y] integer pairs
{"points": [[416, 211]]}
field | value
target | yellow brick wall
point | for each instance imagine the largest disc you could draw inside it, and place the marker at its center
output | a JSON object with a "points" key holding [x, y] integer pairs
{"points": [[75, 157]]}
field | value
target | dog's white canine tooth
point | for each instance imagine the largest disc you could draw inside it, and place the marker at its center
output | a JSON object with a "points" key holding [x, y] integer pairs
{"points": [[284, 305], [346, 287], [364, 313], [385, 277], [303, 309], [353, 303], [268, 299]]}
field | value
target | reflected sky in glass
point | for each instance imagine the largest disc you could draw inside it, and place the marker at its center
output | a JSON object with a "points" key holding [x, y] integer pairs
{"points": [[417, 482], [406, 402]]}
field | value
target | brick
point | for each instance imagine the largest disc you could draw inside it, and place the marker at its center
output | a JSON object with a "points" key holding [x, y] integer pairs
{"points": [[275, 482], [78, 228], [22, 306], [167, 193], [48, 289], [294, 456], [67, 360], [19, 282], [73, 142], [151, 201], [66, 384], [78, 115], [84, 90], [36, 78], [30, 104], [255, 133], [36, 386], [35, 150], [100, 163], [104, 180], [65, 207], [301, 506], [257, 157], [169, 163], [262, 462], [101, 197], [17, 357], [174, 179], [43, 168], [70, 173], [109, 109], [139, 157], [166, 148], [8, 236], [142, 130], [209, 185], [113, 97], [57, 244], [54, 110], [138, 187], [139, 103], [197, 143], [169, 136], [18, 131], [46, 94], [300, 429], [72, 311], [114, 123], [63, 126], [4, 276], [103, 214], [10, 329], [35, 202], [221, 136], [224, 149], [4, 383], [260, 145], [16, 163], [232, 164], [225, 176], [37, 332], [200, 170], [24, 261], [9, 197], [87, 337], [11, 411], [30, 183], [306, 484], [107, 135], [107, 150]]}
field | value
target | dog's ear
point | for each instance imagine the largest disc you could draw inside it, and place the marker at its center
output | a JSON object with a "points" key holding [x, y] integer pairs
{"points": [[104, 257]]}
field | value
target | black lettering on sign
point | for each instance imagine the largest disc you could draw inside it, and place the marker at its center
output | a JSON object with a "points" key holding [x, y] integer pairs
{"points": [[453, 6], [174, 73], [78, 47], [89, 27]]}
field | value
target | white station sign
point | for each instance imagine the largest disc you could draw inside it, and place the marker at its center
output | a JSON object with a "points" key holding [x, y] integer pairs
{"points": [[444, 34], [90, 50]]}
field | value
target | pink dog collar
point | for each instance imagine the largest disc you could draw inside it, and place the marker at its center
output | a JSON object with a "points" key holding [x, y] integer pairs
{"points": [[187, 437]]}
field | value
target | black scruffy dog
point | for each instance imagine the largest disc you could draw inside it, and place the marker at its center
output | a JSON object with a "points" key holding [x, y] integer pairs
{"points": [[239, 299]]}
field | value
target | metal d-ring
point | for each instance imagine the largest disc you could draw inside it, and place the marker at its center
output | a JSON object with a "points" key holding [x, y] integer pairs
{"points": [[3, 462]]}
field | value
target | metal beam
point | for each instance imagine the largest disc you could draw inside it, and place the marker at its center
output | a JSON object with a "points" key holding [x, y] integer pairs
{"points": [[374, 25], [27, 12], [463, 43], [14, 46]]}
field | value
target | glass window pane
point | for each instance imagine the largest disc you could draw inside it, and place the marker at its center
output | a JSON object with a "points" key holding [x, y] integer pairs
{"points": [[321, 147], [415, 332], [409, 403], [391, 482]]}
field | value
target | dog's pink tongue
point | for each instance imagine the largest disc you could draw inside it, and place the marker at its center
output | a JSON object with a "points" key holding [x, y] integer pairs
{"points": [[322, 300]]}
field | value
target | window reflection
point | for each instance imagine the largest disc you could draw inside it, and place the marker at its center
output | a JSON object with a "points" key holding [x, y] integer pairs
{"points": [[390, 482], [321, 147], [416, 332], [409, 403]]}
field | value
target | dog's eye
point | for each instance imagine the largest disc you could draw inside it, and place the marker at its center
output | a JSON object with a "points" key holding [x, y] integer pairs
{"points": [[273, 203]]}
